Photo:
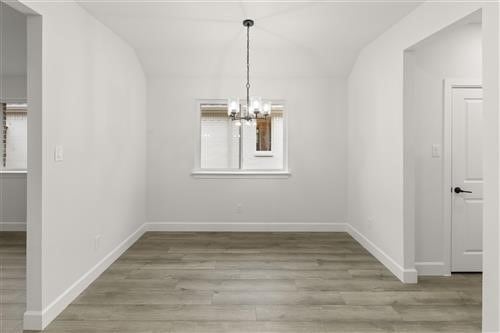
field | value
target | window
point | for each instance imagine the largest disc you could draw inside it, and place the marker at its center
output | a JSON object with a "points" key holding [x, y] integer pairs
{"points": [[263, 141], [225, 146], [13, 138]]}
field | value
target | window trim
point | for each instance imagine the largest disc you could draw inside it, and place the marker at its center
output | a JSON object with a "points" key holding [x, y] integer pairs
{"points": [[13, 171], [263, 153], [241, 174], [198, 172]]}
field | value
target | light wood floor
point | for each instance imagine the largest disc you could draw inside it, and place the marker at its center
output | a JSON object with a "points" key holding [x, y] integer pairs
{"points": [[250, 282]]}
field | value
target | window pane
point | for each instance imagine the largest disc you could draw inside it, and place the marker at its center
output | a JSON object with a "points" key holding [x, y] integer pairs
{"points": [[14, 137], [220, 145], [263, 134], [270, 140]]}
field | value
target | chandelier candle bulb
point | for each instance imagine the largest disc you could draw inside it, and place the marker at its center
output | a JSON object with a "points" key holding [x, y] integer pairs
{"points": [[233, 107], [256, 103], [266, 108]]}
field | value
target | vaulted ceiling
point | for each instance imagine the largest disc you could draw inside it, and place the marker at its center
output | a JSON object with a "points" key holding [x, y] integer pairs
{"points": [[204, 38]]}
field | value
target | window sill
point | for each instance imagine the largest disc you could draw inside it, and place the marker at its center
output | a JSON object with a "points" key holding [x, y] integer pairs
{"points": [[13, 171], [264, 154], [245, 174]]}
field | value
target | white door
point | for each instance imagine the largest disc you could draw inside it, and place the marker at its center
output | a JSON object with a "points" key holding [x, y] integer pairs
{"points": [[467, 180]]}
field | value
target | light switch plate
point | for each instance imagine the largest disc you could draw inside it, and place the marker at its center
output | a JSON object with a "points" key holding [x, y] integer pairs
{"points": [[436, 151], [59, 153]]}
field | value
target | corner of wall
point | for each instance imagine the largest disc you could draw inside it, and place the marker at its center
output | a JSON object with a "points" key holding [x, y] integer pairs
{"points": [[405, 275], [38, 320]]}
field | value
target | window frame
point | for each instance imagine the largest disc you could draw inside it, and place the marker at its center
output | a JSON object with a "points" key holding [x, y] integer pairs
{"points": [[198, 172]]}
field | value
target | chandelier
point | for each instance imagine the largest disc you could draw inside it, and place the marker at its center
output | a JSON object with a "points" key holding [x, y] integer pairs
{"points": [[248, 111]]}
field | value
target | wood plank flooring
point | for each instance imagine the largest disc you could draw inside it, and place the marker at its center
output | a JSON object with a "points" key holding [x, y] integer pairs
{"points": [[249, 282], [12, 281]]}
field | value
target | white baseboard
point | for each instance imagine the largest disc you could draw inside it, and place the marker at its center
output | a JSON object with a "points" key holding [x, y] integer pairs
{"points": [[38, 320], [33, 321], [405, 275], [13, 226], [246, 226], [431, 268]]}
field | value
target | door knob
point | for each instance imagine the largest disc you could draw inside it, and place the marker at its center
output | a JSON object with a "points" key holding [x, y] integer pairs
{"points": [[459, 190]]}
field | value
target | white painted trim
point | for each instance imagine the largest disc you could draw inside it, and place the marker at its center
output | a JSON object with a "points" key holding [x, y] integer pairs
{"points": [[36, 183], [13, 226], [448, 86], [210, 174], [247, 226], [409, 159], [13, 172], [405, 275], [38, 320], [263, 153], [33, 321], [431, 268]]}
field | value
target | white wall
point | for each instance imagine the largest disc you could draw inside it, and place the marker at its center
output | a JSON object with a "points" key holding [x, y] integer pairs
{"points": [[317, 154], [12, 90], [453, 53], [375, 127], [491, 227], [13, 55], [12, 201], [93, 105], [376, 178]]}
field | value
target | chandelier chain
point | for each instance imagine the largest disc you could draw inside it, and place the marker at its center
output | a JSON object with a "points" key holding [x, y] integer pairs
{"points": [[248, 70], [237, 111]]}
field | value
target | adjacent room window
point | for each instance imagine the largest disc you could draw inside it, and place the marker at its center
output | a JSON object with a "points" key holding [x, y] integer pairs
{"points": [[226, 146], [13, 136]]}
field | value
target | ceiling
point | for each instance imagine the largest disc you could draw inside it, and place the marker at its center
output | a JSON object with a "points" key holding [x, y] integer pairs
{"points": [[204, 38]]}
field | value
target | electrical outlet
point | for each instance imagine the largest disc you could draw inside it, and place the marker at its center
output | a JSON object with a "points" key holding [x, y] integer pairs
{"points": [[97, 242], [239, 208]]}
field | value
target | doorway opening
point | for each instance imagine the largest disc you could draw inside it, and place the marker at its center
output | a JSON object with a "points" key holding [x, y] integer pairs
{"points": [[13, 166], [21, 154], [443, 146], [443, 154]]}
